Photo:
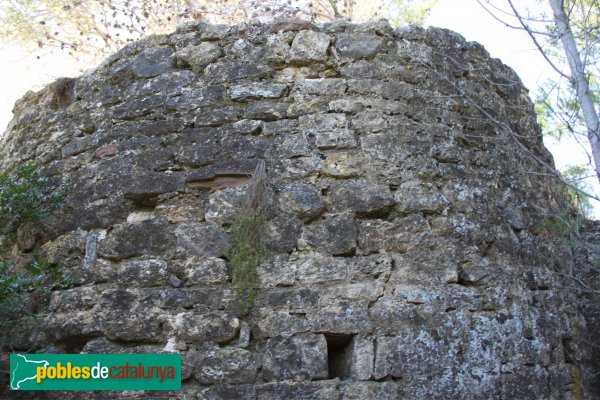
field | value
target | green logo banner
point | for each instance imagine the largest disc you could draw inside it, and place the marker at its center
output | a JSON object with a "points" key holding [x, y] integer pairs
{"points": [[95, 372]]}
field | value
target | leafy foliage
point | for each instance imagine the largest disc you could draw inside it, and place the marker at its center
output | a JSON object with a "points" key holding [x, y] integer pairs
{"points": [[564, 225], [22, 294], [25, 197], [558, 110], [247, 252], [576, 176], [24, 286], [36, 281], [248, 248]]}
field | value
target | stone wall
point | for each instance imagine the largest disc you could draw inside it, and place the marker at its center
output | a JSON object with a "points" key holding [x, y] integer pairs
{"points": [[408, 252]]}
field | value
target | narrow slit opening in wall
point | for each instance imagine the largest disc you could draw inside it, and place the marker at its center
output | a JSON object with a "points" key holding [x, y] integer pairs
{"points": [[339, 354], [142, 203]]}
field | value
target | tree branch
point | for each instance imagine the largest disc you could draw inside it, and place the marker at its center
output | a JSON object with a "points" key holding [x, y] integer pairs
{"points": [[535, 41], [503, 22], [579, 80]]}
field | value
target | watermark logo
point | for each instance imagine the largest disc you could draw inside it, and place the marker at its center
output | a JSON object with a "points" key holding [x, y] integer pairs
{"points": [[95, 372]]}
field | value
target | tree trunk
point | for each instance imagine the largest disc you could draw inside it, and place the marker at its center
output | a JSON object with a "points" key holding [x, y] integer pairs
{"points": [[578, 80]]}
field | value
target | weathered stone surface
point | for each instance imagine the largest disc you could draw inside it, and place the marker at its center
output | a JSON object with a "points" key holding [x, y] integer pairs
{"points": [[101, 346], [226, 72], [108, 150], [359, 69], [169, 299], [295, 300], [198, 56], [266, 110], [153, 62], [146, 188], [372, 390], [206, 240], [323, 122], [226, 392], [28, 236], [79, 145], [358, 45], [309, 46], [244, 338], [416, 196], [219, 116], [63, 326], [302, 200], [72, 299], [257, 91], [292, 24], [247, 127], [193, 98], [217, 327], [336, 235], [121, 327], [299, 357], [144, 238], [294, 145], [305, 390], [410, 249], [322, 86], [408, 233], [203, 271], [364, 198], [172, 82], [277, 48], [282, 233], [343, 165], [342, 139], [229, 364], [214, 32], [282, 323], [318, 268], [342, 317], [276, 272], [121, 304], [222, 205], [362, 358], [181, 209], [369, 291], [146, 272]]}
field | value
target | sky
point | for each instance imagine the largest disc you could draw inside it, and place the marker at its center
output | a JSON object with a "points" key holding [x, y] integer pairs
{"points": [[20, 71]]}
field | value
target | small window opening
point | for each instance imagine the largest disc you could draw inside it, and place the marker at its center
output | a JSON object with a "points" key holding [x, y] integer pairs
{"points": [[339, 354]]}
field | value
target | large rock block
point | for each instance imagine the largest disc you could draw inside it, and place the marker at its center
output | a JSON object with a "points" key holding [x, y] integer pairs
{"points": [[336, 235], [230, 364], [302, 200], [217, 327], [299, 357], [309, 46], [144, 238], [358, 45], [205, 240], [153, 62]]}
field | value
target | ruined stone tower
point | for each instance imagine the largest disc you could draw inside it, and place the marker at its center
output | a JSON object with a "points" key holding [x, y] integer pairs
{"points": [[408, 251]]}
